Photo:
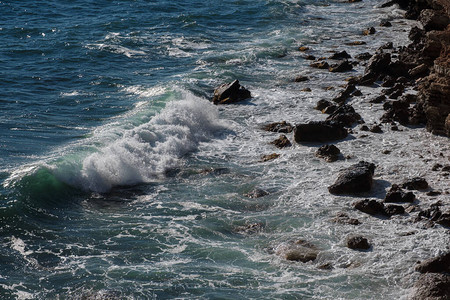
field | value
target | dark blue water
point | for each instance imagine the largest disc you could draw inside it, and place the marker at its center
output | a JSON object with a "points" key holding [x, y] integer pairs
{"points": [[120, 180]]}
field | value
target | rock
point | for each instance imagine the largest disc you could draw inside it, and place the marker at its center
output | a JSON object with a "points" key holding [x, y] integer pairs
{"points": [[343, 218], [356, 93], [282, 142], [396, 194], [385, 24], [444, 219], [378, 99], [371, 207], [309, 57], [419, 70], [376, 129], [433, 20], [270, 157], [435, 264], [344, 115], [256, 193], [281, 127], [330, 109], [357, 243], [356, 43], [376, 65], [230, 93], [303, 48], [416, 34], [301, 78], [432, 286], [321, 131], [340, 55], [341, 67], [299, 250], [369, 31], [305, 89], [436, 167], [320, 65], [363, 56], [328, 152], [364, 128], [388, 45], [249, 229], [343, 95], [391, 210], [417, 183], [322, 104], [354, 180]]}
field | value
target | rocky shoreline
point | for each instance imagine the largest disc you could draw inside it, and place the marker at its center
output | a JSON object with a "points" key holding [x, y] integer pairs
{"points": [[424, 66]]}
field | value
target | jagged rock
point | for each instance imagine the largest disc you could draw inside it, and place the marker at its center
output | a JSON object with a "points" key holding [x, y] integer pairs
{"points": [[371, 207], [419, 70], [369, 31], [330, 109], [343, 218], [340, 55], [230, 93], [256, 193], [299, 250], [346, 93], [416, 183], [375, 66], [320, 131], [328, 152], [354, 180], [357, 243], [301, 78], [396, 194], [432, 286], [435, 264], [341, 67], [270, 157], [344, 115], [281, 127], [391, 210], [432, 19], [282, 142]]}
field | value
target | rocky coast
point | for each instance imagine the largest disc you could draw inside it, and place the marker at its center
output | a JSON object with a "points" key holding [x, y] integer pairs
{"points": [[416, 93]]}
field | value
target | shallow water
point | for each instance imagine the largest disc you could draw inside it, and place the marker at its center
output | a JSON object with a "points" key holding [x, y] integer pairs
{"points": [[120, 179]]}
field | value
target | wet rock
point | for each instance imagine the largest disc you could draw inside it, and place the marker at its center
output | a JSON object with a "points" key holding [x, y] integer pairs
{"points": [[343, 66], [356, 43], [369, 31], [343, 218], [392, 209], [282, 142], [416, 34], [322, 104], [301, 78], [419, 70], [436, 167], [330, 109], [305, 90], [357, 243], [388, 81], [356, 179], [299, 250], [309, 57], [320, 65], [363, 56], [340, 55], [388, 45], [371, 207], [435, 264], [444, 219], [281, 127], [433, 193], [303, 48], [376, 129], [364, 128], [230, 93], [321, 131], [270, 157], [256, 193], [385, 24], [416, 183], [376, 65], [328, 152], [345, 94], [432, 286], [344, 115], [396, 195], [378, 99]]}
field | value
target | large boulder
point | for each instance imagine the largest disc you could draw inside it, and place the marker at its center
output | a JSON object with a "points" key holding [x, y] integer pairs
{"points": [[321, 131], [432, 286], [356, 179], [230, 93], [435, 264]]}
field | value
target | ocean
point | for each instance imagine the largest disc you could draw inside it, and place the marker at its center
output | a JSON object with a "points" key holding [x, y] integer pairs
{"points": [[119, 179]]}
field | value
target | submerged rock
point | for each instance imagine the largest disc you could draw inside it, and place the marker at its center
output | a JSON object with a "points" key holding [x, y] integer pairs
{"points": [[343, 218], [356, 179], [256, 193], [230, 93], [321, 131], [282, 142], [298, 250]]}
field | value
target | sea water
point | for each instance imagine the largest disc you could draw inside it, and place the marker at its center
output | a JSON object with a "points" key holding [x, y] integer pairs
{"points": [[121, 180]]}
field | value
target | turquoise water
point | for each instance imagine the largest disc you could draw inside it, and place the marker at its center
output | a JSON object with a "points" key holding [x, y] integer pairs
{"points": [[121, 180]]}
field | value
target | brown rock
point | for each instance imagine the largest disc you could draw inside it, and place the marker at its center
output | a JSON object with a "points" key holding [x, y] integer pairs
{"points": [[230, 93], [321, 131], [328, 152], [369, 31], [301, 78], [299, 250], [282, 127], [270, 157], [343, 218], [282, 142], [435, 264], [357, 243], [354, 180], [320, 65], [432, 286], [396, 194]]}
